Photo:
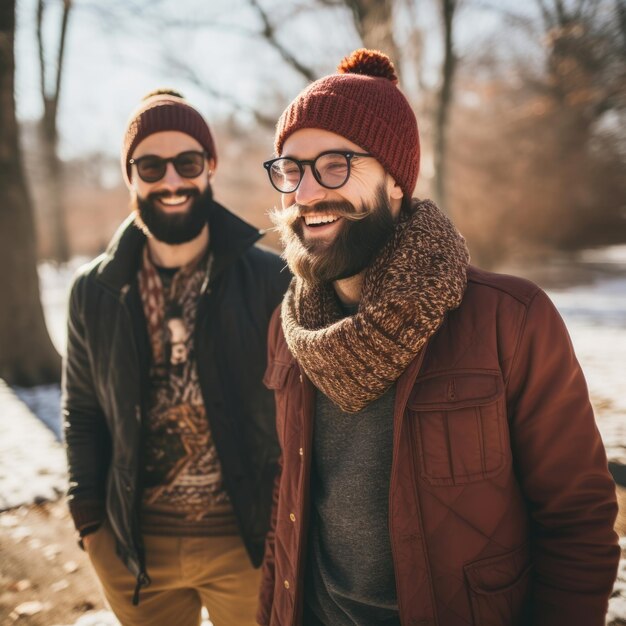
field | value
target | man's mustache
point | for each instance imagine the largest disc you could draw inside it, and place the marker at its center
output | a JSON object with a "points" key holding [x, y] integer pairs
{"points": [[190, 192], [291, 214]]}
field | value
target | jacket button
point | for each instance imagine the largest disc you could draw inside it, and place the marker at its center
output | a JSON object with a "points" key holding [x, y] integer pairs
{"points": [[292, 517], [286, 583]]}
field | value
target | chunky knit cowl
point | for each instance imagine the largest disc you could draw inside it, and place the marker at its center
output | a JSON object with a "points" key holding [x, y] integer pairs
{"points": [[414, 281]]}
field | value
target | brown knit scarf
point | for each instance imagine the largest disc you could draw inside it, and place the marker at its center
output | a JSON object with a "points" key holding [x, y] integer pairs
{"points": [[415, 280]]}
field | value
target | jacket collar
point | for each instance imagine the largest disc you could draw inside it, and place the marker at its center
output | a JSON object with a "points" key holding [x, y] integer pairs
{"points": [[229, 236]]}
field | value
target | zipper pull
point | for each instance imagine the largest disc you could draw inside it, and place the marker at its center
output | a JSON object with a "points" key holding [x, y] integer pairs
{"points": [[143, 580]]}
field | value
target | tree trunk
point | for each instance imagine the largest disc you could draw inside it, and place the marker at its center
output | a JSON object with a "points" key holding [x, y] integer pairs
{"points": [[373, 20], [445, 100], [27, 356], [49, 135], [54, 186]]}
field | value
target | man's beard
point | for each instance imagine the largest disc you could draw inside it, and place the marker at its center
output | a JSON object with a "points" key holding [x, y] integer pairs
{"points": [[361, 237], [177, 227]]}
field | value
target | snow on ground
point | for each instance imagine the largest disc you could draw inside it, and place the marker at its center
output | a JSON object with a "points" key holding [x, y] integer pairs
{"points": [[44, 401], [97, 618], [55, 282], [32, 461], [106, 618], [616, 615], [595, 314], [596, 318]]}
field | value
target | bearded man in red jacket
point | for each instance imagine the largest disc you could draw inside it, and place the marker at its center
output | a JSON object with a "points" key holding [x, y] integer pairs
{"points": [[440, 460]]}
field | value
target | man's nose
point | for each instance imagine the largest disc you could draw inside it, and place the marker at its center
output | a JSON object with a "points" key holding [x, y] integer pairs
{"points": [[309, 191], [171, 179]]}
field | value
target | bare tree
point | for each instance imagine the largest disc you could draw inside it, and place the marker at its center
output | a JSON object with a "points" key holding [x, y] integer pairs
{"points": [[184, 71], [27, 356], [448, 9], [268, 33], [374, 22], [620, 13], [49, 128], [539, 150]]}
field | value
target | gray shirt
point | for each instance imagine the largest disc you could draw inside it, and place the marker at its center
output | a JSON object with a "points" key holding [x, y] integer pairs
{"points": [[350, 577]]}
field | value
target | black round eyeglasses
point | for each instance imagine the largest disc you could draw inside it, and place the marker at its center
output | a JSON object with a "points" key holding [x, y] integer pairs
{"points": [[331, 169]]}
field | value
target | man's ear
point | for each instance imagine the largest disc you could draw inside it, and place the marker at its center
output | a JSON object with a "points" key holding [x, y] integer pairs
{"points": [[395, 196], [211, 165], [395, 191], [133, 184]]}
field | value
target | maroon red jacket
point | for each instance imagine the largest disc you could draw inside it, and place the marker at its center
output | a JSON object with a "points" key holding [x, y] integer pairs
{"points": [[501, 507]]}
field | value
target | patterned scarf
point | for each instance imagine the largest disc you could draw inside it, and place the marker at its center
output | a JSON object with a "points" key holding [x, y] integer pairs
{"points": [[156, 299], [414, 281]]}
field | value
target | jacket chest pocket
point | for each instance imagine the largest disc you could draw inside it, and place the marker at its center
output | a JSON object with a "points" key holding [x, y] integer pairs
{"points": [[459, 426]]}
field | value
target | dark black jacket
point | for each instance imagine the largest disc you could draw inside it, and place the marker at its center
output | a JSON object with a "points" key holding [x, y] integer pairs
{"points": [[106, 375]]}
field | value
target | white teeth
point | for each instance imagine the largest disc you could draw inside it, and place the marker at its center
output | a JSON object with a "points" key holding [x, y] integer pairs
{"points": [[174, 200], [320, 219]]}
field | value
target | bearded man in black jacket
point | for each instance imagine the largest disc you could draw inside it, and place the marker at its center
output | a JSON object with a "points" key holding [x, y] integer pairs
{"points": [[170, 433]]}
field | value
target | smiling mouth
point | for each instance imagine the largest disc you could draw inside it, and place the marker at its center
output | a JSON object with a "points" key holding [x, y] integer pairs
{"points": [[175, 200], [320, 220]]}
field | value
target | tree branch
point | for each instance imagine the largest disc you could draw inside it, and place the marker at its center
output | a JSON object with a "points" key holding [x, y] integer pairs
{"points": [[269, 35], [42, 63], [526, 22], [548, 19], [192, 77], [448, 9], [561, 12], [67, 6], [620, 9]]}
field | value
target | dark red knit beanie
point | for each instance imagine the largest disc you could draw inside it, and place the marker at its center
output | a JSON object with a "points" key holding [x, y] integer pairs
{"points": [[159, 111], [363, 104]]}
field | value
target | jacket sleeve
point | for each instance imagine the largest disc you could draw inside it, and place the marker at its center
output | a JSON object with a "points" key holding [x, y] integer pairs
{"points": [[562, 468], [266, 593], [86, 433]]}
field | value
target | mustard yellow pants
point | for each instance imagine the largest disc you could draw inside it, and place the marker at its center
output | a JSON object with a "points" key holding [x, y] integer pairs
{"points": [[187, 573]]}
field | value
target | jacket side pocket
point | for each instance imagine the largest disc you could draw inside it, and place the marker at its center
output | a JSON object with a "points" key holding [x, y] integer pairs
{"points": [[499, 588]]}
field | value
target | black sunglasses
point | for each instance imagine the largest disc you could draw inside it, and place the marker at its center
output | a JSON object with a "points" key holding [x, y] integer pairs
{"points": [[188, 164]]}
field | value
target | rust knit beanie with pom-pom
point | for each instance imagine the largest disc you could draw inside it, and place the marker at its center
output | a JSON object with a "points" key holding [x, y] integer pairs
{"points": [[164, 109], [362, 103]]}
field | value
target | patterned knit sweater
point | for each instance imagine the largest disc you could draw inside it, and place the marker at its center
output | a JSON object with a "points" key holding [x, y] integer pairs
{"points": [[183, 489]]}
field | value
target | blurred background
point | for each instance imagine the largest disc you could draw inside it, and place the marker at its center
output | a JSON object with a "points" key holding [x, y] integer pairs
{"points": [[522, 116], [521, 109]]}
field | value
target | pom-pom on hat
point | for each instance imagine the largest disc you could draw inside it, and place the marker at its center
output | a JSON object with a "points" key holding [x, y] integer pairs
{"points": [[362, 103], [161, 110]]}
